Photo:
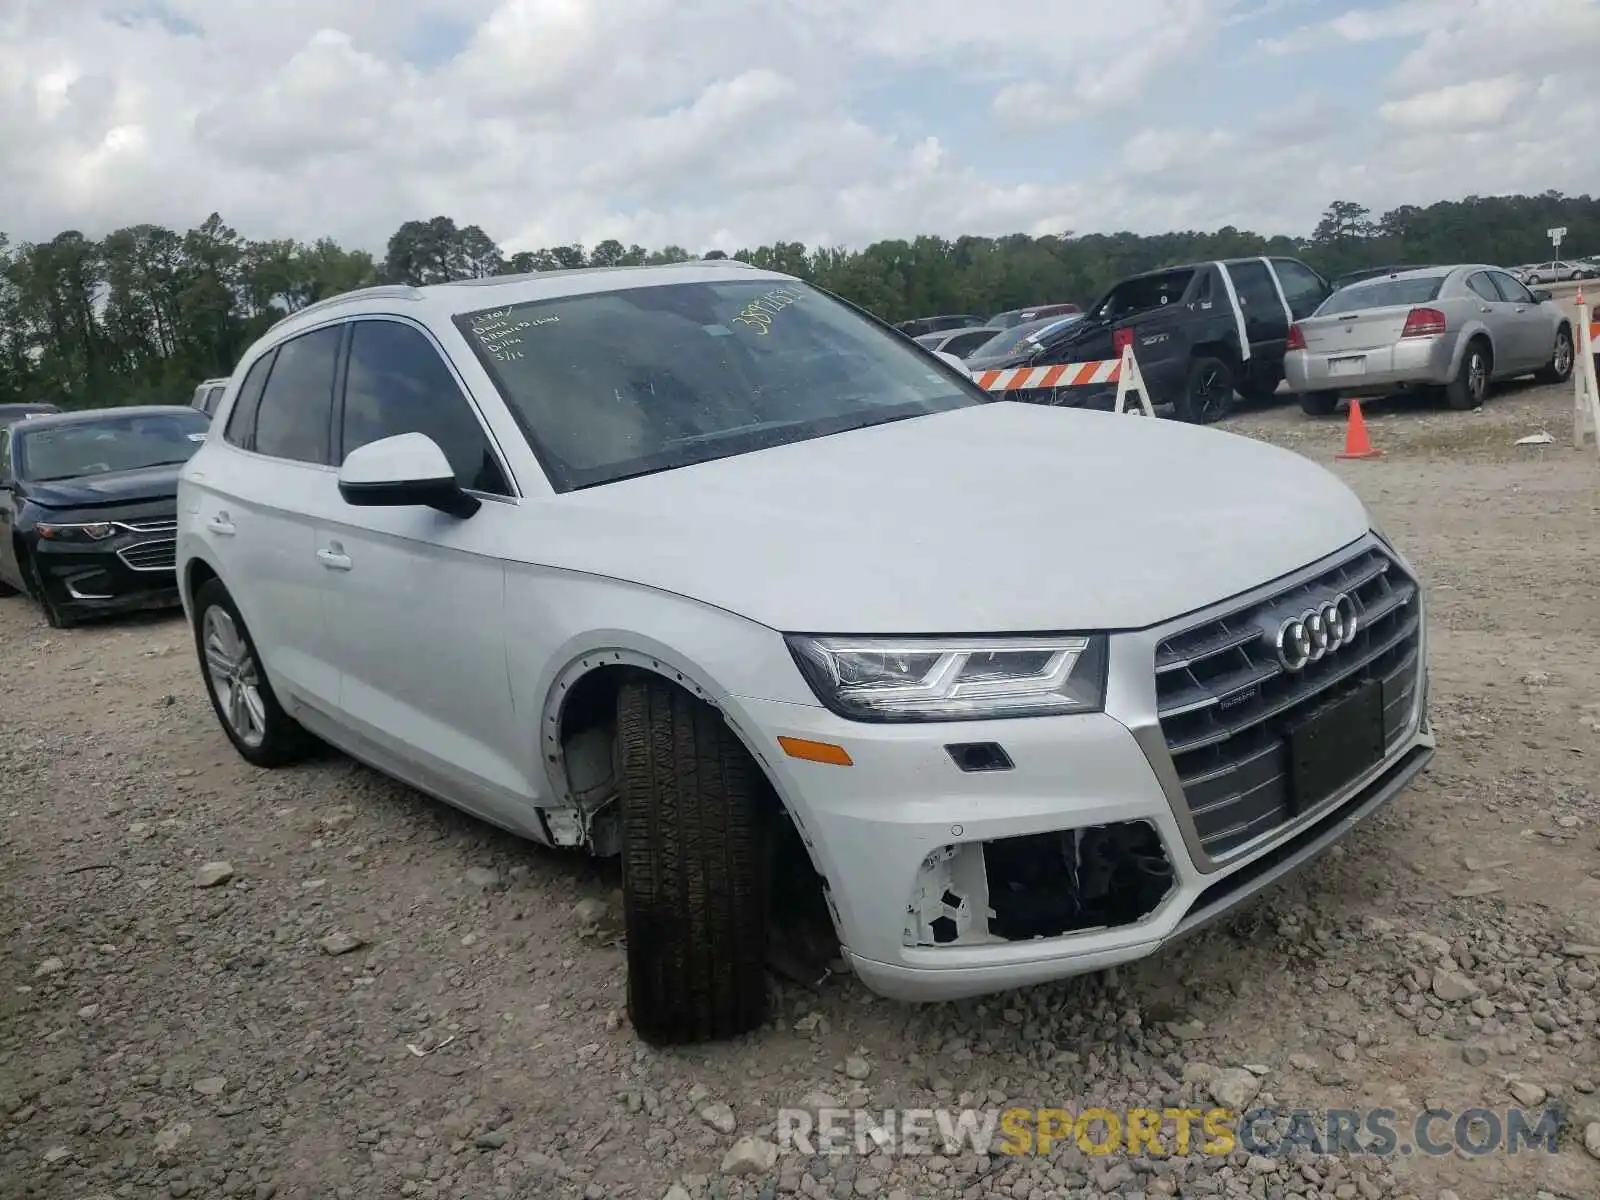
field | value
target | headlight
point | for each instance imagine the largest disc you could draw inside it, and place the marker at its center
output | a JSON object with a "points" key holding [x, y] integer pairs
{"points": [[94, 532], [954, 679]]}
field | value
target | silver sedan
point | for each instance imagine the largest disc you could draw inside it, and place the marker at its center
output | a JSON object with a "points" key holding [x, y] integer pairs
{"points": [[1457, 329]]}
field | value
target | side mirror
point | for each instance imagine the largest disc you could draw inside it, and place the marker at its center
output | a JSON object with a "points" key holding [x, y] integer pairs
{"points": [[950, 360], [1543, 294], [404, 471]]}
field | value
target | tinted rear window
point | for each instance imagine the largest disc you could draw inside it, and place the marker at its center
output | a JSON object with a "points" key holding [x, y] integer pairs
{"points": [[1383, 293]]}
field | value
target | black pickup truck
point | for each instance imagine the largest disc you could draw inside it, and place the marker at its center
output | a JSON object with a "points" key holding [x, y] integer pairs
{"points": [[1200, 332]]}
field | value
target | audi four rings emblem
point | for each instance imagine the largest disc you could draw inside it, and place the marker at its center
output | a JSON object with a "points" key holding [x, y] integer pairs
{"points": [[1317, 632]]}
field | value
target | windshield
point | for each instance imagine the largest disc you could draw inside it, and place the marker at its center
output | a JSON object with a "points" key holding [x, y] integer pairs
{"points": [[616, 384], [1382, 293], [115, 443], [1018, 336]]}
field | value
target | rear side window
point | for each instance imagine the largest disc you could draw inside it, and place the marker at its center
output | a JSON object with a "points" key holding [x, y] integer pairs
{"points": [[1383, 293], [214, 398], [242, 420], [296, 409], [1480, 283], [397, 383], [1146, 294], [965, 343], [5, 455]]}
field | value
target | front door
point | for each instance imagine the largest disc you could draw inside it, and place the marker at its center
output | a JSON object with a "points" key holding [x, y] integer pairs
{"points": [[1535, 337], [417, 597]]}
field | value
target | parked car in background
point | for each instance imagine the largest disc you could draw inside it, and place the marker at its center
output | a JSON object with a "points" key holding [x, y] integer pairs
{"points": [[959, 342], [1560, 271], [671, 562], [16, 412], [1350, 277], [1455, 329], [1199, 331], [1008, 343], [1025, 316], [88, 508], [921, 325], [208, 395]]}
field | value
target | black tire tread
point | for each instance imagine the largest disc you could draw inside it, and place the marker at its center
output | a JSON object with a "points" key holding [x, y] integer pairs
{"points": [[1185, 406], [1456, 393], [1319, 404], [286, 740], [1548, 372], [694, 869]]}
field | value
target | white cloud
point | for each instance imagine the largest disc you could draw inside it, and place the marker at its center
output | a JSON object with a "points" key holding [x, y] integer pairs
{"points": [[1481, 104], [727, 123]]}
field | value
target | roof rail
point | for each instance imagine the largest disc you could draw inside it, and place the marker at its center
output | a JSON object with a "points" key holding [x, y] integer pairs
{"points": [[394, 291]]}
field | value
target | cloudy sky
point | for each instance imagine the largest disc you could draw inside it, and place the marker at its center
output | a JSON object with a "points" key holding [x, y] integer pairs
{"points": [[721, 123]]}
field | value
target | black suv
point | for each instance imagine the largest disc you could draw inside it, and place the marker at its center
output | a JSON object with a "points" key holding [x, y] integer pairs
{"points": [[1200, 332]]}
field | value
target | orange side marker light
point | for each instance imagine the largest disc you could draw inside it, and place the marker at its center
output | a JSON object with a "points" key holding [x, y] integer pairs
{"points": [[817, 752]]}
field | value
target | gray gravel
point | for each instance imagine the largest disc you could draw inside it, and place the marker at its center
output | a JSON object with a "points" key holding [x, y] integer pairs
{"points": [[315, 983]]}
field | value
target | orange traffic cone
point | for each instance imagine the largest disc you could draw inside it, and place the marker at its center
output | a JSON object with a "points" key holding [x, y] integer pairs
{"points": [[1356, 442]]}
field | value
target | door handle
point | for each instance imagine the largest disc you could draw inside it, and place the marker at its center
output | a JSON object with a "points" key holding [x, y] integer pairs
{"points": [[221, 526], [334, 560], [1522, 308]]}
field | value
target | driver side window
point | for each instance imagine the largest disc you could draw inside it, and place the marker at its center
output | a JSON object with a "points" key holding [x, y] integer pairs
{"points": [[5, 456]]}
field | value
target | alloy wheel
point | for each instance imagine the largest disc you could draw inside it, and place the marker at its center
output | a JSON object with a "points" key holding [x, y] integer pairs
{"points": [[1563, 358], [1478, 376], [234, 677]]}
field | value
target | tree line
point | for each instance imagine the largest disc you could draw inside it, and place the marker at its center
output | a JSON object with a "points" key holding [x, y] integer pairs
{"points": [[144, 313]]}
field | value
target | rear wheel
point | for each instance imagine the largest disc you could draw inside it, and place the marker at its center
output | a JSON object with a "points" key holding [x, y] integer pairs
{"points": [[1259, 388], [1319, 404], [1559, 368], [240, 693], [1207, 392], [695, 863], [1470, 387]]}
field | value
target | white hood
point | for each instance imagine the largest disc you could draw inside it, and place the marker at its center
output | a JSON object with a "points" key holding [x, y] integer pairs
{"points": [[1003, 517]]}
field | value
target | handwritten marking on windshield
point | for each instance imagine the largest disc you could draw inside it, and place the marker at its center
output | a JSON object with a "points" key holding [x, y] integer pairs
{"points": [[759, 313], [501, 336]]}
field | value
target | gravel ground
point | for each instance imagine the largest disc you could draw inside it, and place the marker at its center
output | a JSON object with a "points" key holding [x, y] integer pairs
{"points": [[316, 983]]}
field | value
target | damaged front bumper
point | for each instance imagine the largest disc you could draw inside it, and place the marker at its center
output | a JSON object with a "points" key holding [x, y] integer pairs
{"points": [[946, 884], [965, 858]]}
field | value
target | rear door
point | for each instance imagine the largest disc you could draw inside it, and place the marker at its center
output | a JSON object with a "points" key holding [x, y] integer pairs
{"points": [[258, 502], [10, 571], [1266, 321]]}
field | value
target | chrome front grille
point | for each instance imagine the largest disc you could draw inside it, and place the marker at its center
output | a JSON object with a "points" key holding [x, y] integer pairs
{"points": [[1226, 702], [152, 525], [158, 555]]}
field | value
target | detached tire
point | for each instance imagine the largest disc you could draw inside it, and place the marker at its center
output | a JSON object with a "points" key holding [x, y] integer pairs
{"points": [[1207, 392], [1319, 404], [229, 662], [1470, 387], [1559, 368], [695, 869]]}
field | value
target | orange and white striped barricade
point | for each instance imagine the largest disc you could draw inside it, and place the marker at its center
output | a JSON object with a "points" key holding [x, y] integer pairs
{"points": [[1124, 372]]}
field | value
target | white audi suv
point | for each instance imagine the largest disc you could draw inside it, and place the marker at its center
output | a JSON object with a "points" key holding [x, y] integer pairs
{"points": [[702, 566]]}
